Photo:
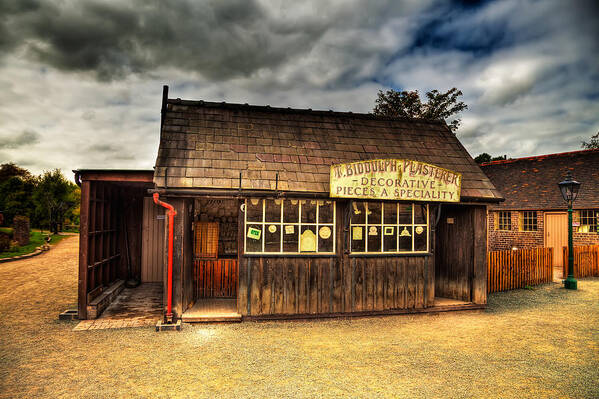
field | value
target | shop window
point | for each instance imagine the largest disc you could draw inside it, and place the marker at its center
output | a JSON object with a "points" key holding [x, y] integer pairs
{"points": [[588, 220], [389, 227], [505, 220], [529, 221], [290, 226]]}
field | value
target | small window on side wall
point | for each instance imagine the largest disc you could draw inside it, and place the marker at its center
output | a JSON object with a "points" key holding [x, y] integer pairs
{"points": [[505, 220], [529, 221], [589, 219]]}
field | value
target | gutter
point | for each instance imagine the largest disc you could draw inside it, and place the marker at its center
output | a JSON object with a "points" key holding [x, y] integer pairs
{"points": [[171, 218]]}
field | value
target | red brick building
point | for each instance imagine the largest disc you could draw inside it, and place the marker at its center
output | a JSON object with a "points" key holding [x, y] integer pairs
{"points": [[534, 213]]}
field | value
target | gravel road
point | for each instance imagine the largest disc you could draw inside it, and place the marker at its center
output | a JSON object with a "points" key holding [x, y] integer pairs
{"points": [[541, 343]]}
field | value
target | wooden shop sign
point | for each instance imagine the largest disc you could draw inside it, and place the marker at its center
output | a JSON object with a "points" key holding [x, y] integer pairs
{"points": [[395, 179]]}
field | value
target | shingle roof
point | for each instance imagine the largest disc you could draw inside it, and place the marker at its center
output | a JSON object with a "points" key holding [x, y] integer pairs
{"points": [[531, 183], [206, 145]]}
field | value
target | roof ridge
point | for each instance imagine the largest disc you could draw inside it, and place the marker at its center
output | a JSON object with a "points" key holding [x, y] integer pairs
{"points": [[554, 155], [268, 108]]}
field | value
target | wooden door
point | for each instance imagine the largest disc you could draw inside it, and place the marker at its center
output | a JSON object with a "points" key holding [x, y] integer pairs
{"points": [[556, 235], [153, 243], [213, 277]]}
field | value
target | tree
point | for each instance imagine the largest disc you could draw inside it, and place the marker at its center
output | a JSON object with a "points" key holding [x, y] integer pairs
{"points": [[484, 157], [15, 197], [16, 189], [8, 170], [54, 197], [409, 105], [592, 144]]}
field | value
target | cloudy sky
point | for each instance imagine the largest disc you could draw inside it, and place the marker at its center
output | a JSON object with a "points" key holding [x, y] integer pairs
{"points": [[81, 81]]}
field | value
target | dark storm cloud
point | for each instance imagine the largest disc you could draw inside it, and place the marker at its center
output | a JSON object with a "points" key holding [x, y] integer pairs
{"points": [[218, 39], [26, 137]]}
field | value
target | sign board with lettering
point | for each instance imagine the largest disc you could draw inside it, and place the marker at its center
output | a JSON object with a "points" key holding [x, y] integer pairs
{"points": [[395, 179]]}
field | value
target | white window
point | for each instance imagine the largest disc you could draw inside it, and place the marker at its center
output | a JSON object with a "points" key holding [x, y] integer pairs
{"points": [[389, 227], [289, 226]]}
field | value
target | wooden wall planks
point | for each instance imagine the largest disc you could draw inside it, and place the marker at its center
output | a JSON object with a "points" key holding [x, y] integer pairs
{"points": [[152, 254], [318, 285]]}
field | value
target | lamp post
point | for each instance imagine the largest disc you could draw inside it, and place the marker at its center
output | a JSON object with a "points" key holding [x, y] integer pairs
{"points": [[569, 189]]}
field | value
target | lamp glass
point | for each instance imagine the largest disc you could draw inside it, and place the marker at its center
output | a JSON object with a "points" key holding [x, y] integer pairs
{"points": [[569, 188]]}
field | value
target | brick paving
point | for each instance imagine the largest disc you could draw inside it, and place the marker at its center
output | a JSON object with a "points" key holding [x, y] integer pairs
{"points": [[134, 307]]}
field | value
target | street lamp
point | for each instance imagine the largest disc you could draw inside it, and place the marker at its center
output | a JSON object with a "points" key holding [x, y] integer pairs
{"points": [[569, 189]]}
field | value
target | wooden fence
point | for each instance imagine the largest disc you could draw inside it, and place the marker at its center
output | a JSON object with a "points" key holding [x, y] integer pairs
{"points": [[508, 270], [586, 261]]}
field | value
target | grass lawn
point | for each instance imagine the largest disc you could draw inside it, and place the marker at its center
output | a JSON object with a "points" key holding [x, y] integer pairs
{"points": [[537, 343], [36, 239]]}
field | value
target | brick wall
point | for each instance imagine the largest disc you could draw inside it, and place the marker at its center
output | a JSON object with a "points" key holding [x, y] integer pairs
{"points": [[514, 238], [501, 239]]}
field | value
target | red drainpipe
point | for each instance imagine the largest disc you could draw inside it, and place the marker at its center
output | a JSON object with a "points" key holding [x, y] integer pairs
{"points": [[171, 217]]}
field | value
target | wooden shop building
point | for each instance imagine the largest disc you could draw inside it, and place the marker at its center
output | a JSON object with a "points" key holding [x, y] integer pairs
{"points": [[285, 213]]}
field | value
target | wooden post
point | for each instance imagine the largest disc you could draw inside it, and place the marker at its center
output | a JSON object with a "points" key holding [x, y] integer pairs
{"points": [[479, 277], [83, 249]]}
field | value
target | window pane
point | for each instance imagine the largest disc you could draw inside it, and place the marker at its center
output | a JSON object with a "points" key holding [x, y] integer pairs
{"points": [[358, 244], [530, 220], [253, 210], [291, 211], [290, 238], [419, 214], [308, 239], [308, 211], [325, 239], [273, 210], [358, 212], [405, 213], [325, 212], [389, 238], [390, 210], [253, 238], [272, 236], [374, 238], [505, 220], [420, 233], [405, 238], [374, 212]]}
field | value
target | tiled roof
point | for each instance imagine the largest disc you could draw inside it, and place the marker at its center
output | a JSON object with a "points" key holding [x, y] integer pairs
{"points": [[206, 145], [531, 183]]}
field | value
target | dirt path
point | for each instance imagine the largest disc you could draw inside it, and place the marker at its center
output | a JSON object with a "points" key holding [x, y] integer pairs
{"points": [[541, 343]]}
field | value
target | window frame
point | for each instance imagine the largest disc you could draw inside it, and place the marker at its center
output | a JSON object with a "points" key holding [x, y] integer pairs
{"points": [[500, 225], [530, 221], [586, 218], [297, 225], [397, 225]]}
